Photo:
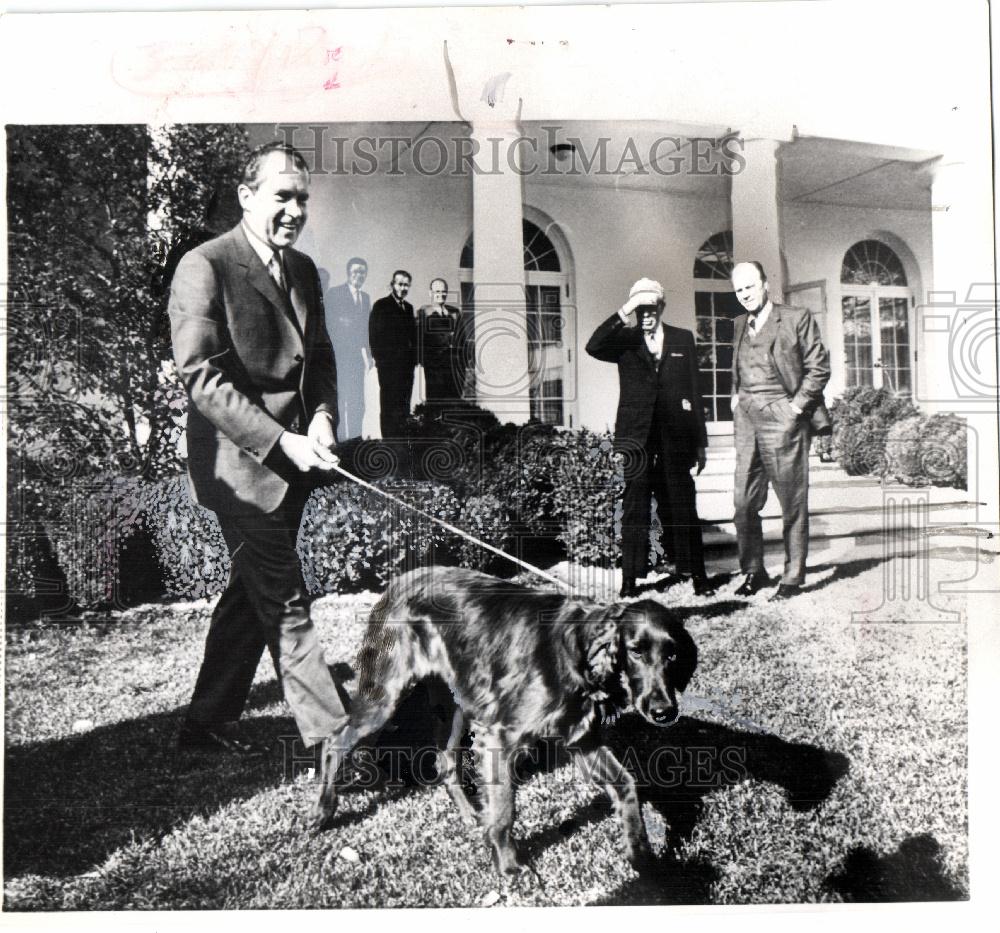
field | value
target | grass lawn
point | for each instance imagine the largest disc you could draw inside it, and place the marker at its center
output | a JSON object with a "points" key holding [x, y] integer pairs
{"points": [[818, 760]]}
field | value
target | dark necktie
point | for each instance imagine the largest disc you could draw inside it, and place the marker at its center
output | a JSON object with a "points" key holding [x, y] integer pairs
{"points": [[752, 325]]}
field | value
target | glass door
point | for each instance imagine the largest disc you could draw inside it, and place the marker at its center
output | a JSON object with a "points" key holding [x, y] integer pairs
{"points": [[550, 346], [877, 346]]}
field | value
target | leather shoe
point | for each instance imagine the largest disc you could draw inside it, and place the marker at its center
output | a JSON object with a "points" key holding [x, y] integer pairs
{"points": [[629, 589], [753, 583], [702, 585], [216, 737], [784, 591]]}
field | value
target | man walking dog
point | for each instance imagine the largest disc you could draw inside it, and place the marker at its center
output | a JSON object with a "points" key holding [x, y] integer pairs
{"points": [[250, 342]]}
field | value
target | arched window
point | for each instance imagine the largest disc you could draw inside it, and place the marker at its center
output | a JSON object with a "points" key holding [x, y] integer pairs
{"points": [[871, 262], [550, 330], [540, 253], [714, 259], [715, 307], [875, 315]]}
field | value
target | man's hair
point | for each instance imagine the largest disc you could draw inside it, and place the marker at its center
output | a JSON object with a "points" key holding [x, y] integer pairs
{"points": [[442, 281], [356, 261], [251, 171], [401, 272], [751, 262]]}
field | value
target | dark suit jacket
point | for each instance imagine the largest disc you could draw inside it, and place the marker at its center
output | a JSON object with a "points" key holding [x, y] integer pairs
{"points": [[441, 339], [340, 301], [799, 357], [254, 364], [670, 391], [392, 333]]}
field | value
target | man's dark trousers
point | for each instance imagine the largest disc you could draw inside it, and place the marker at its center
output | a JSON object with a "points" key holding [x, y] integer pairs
{"points": [[668, 473], [265, 604], [395, 387], [772, 443]]}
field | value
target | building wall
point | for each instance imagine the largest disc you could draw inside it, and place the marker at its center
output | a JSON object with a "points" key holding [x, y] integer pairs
{"points": [[815, 238], [617, 237]]}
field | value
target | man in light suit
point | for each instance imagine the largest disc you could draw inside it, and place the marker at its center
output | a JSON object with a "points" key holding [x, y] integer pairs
{"points": [[246, 314], [442, 348], [347, 311], [780, 367], [659, 430]]}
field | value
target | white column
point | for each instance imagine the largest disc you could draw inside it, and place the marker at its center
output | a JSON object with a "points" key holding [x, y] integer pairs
{"points": [[754, 204], [502, 376], [955, 319], [487, 89]]}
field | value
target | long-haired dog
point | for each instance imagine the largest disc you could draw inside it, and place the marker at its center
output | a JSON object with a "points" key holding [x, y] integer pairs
{"points": [[522, 665]]}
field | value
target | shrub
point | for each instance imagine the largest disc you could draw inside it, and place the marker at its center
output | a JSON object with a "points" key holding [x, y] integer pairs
{"points": [[101, 544], [944, 450], [923, 451], [902, 451], [352, 538], [193, 554], [586, 486], [487, 518], [861, 421]]}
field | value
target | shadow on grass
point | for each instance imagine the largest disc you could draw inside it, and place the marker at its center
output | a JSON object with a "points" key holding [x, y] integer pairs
{"points": [[845, 570], [911, 873], [675, 770], [70, 803]]}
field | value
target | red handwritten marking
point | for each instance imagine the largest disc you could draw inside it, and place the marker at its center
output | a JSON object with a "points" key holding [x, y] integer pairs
{"points": [[260, 65]]}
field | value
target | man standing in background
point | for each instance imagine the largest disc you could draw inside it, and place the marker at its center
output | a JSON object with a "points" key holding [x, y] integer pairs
{"points": [[659, 430], [441, 348], [347, 312], [392, 332], [780, 367]]}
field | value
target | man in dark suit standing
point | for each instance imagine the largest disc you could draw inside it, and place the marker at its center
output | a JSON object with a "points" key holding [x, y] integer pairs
{"points": [[441, 348], [659, 430], [780, 367], [246, 314], [392, 332], [347, 312]]}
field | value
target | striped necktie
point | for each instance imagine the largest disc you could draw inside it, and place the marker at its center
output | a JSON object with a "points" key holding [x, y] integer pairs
{"points": [[276, 269]]}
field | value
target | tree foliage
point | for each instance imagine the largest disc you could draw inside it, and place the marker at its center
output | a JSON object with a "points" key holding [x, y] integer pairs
{"points": [[98, 216]]}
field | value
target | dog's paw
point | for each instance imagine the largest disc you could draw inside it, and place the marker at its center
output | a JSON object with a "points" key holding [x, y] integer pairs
{"points": [[323, 811], [509, 862], [642, 858]]}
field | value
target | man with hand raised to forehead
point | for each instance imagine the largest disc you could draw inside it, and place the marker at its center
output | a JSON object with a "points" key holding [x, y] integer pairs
{"points": [[659, 431], [780, 367], [251, 347]]}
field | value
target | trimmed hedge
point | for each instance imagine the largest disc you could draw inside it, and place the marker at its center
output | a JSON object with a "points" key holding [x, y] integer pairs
{"points": [[922, 451], [862, 418], [352, 538], [531, 491]]}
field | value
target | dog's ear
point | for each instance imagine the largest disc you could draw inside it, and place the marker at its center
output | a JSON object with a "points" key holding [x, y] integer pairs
{"points": [[603, 645]]}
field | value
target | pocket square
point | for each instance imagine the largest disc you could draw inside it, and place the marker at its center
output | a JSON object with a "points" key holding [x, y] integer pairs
{"points": [[685, 404]]}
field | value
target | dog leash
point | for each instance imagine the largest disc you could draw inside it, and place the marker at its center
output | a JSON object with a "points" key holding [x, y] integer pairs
{"points": [[457, 531]]}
